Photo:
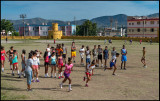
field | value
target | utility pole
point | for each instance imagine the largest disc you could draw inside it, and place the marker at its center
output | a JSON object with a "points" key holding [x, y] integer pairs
{"points": [[23, 16], [75, 24], [87, 31]]}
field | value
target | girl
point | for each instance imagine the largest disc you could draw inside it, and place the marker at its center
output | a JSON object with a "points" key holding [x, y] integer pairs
{"points": [[88, 56], [60, 65], [89, 71], [53, 64], [35, 67], [81, 51], [46, 63], [15, 62], [73, 51], [28, 71], [67, 72], [10, 53], [38, 56], [23, 62], [3, 54]]}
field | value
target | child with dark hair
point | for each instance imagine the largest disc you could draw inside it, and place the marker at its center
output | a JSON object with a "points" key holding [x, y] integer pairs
{"points": [[46, 63], [53, 64], [10, 53], [60, 65], [106, 55], [23, 62], [15, 62], [88, 55], [143, 60], [3, 54], [67, 72]]}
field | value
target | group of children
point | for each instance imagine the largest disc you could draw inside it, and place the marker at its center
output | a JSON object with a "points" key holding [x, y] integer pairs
{"points": [[56, 58]]}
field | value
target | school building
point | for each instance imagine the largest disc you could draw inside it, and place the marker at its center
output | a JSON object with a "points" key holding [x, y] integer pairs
{"points": [[142, 27]]}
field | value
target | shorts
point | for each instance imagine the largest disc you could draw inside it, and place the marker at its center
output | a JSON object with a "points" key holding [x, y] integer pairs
{"points": [[46, 63], [49, 56], [60, 65], [66, 75], [82, 56], [23, 66], [15, 63], [88, 60], [124, 58], [3, 58], [87, 73], [64, 55], [99, 57], [105, 57], [73, 54], [112, 64], [35, 66]]}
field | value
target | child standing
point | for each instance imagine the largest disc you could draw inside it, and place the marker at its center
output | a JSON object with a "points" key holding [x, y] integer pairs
{"points": [[124, 57], [100, 55], [143, 58], [15, 62], [113, 63], [64, 53], [81, 52], [88, 72], [94, 53], [35, 67], [46, 63], [73, 51], [88, 56], [67, 72], [23, 62], [53, 64], [60, 65], [106, 56], [10, 53], [3, 54]]}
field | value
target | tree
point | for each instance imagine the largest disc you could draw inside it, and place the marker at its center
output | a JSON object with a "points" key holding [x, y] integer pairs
{"points": [[87, 29], [6, 25]]}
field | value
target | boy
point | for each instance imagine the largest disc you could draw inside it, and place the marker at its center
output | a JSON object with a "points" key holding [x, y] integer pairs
{"points": [[73, 52], [94, 52], [81, 51], [113, 63], [99, 55], [64, 53], [124, 57], [113, 52], [88, 56], [143, 58], [105, 56]]}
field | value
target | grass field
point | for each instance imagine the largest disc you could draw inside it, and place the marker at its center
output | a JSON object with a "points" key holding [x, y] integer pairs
{"points": [[136, 83]]}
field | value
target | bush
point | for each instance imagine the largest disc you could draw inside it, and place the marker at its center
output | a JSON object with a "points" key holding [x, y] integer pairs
{"points": [[15, 34]]}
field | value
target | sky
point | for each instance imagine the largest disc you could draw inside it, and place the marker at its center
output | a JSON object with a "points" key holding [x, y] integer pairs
{"points": [[66, 10]]}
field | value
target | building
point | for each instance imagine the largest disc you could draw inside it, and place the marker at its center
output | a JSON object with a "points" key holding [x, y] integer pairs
{"points": [[67, 30], [34, 30], [113, 32], [142, 27], [55, 33]]}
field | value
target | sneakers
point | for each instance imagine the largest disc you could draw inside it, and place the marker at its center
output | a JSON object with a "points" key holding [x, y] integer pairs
{"points": [[60, 86], [102, 65], [70, 89], [33, 80], [59, 77], [62, 76], [84, 78], [86, 85], [51, 76], [37, 80], [46, 75], [12, 74]]}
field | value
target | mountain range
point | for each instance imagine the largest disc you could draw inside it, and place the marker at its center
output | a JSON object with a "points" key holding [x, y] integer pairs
{"points": [[101, 21]]}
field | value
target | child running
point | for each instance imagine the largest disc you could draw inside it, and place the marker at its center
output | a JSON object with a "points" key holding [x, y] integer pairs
{"points": [[23, 62], [99, 55], [15, 62], [113, 63], [81, 52], [60, 65], [28, 71], [88, 56], [46, 63], [10, 53], [143, 58], [73, 52], [67, 72], [106, 56], [124, 57], [35, 67], [94, 53], [3, 54], [53, 64], [89, 71], [64, 53]]}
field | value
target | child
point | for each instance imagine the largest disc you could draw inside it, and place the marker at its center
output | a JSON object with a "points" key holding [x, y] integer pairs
{"points": [[88, 57], [73, 52], [46, 63], [3, 54], [53, 64], [81, 52], [113, 63], [94, 53], [143, 58], [140, 41], [38, 56], [35, 67], [106, 56], [124, 57], [113, 52], [23, 62], [99, 55], [57, 47], [60, 65], [130, 41], [64, 53], [67, 72], [89, 71], [28, 71], [10, 53], [105, 41], [15, 62]]}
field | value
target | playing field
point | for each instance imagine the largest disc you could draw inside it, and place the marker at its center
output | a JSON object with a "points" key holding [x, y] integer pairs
{"points": [[135, 83]]}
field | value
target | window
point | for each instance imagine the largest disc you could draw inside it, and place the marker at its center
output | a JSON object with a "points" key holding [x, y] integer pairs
{"points": [[157, 22], [138, 30], [132, 23], [138, 23], [129, 30], [41, 28], [152, 29], [145, 30], [132, 30], [152, 22], [129, 23]]}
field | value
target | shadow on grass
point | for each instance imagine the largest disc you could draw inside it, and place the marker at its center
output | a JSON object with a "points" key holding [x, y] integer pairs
{"points": [[11, 80], [13, 89], [52, 89], [9, 76]]}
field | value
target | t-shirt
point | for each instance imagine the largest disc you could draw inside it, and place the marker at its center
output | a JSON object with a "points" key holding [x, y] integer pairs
{"points": [[15, 60], [29, 63], [99, 51], [49, 53], [114, 58], [94, 51], [113, 53], [59, 51], [64, 50], [105, 53], [35, 61], [88, 54], [82, 51], [68, 68], [53, 60], [2, 54], [90, 68], [124, 51]]}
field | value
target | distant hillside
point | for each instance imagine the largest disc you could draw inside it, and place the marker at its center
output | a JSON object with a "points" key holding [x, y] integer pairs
{"points": [[154, 15]]}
